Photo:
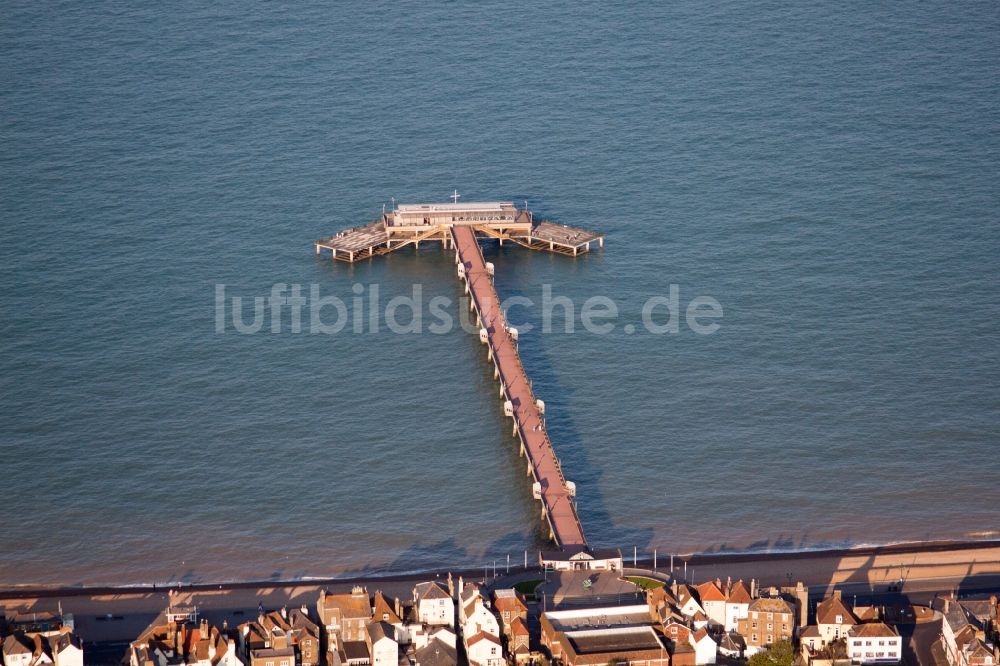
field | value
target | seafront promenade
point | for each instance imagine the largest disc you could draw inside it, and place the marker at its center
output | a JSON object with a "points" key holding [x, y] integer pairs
{"points": [[118, 614]]}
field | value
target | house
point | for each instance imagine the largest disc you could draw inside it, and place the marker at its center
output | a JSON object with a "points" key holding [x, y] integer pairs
{"points": [[677, 632], [41, 639], [956, 630], [874, 643], [810, 639], [380, 639], [713, 601], [436, 653], [738, 598], [483, 649], [833, 618], [769, 620], [178, 638], [687, 603], [390, 613], [261, 641], [518, 640], [705, 647], [422, 635], [662, 605], [434, 606], [345, 616], [18, 650], [509, 604], [976, 653], [474, 612], [579, 558], [732, 645], [355, 653]]}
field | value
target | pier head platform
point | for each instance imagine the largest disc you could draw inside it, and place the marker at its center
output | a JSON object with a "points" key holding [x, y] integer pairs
{"points": [[460, 227], [413, 224]]}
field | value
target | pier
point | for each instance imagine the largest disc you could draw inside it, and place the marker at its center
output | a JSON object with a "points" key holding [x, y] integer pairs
{"points": [[550, 486], [460, 227]]}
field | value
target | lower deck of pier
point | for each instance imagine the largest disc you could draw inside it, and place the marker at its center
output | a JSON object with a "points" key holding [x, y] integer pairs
{"points": [[378, 238]]}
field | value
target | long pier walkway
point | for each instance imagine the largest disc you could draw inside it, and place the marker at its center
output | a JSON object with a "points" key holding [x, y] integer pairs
{"points": [[551, 487]]}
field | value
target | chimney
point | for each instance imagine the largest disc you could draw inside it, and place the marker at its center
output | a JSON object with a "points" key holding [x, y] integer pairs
{"points": [[673, 587], [836, 594], [718, 583], [357, 590], [753, 588], [399, 607], [947, 604], [461, 587], [322, 598], [729, 585], [284, 612], [304, 610]]}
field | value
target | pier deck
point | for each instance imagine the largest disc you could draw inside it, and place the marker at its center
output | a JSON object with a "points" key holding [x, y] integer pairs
{"points": [[412, 224], [558, 507]]}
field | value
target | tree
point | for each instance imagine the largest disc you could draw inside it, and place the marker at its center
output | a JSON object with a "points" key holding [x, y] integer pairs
{"points": [[779, 654]]}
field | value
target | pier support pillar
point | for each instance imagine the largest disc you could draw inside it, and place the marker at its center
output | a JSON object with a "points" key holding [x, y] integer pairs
{"points": [[600, 242]]}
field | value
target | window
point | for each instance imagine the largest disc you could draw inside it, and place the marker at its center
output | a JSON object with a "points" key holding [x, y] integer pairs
{"points": [[840, 619], [753, 639], [493, 651], [754, 625], [770, 626], [770, 639], [770, 616], [868, 643]]}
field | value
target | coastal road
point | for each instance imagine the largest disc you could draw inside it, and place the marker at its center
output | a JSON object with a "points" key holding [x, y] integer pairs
{"points": [[965, 568]]}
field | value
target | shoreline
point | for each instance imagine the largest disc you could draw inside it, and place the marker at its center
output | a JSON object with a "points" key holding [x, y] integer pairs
{"points": [[699, 559]]}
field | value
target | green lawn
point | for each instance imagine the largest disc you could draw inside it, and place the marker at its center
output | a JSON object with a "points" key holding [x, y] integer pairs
{"points": [[527, 587], [645, 583]]}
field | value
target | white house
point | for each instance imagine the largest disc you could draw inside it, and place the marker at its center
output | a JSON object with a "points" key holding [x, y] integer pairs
{"points": [[705, 647], [687, 603], [18, 650], [834, 619], [874, 643], [422, 635], [56, 648], [713, 601], [474, 612], [382, 644], [483, 649], [738, 598], [434, 605]]}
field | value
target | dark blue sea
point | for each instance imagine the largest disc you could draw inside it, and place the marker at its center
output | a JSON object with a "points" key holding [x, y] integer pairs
{"points": [[829, 173]]}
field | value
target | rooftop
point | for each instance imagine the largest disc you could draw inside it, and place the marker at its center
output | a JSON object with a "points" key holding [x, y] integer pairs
{"points": [[469, 206], [614, 640]]}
